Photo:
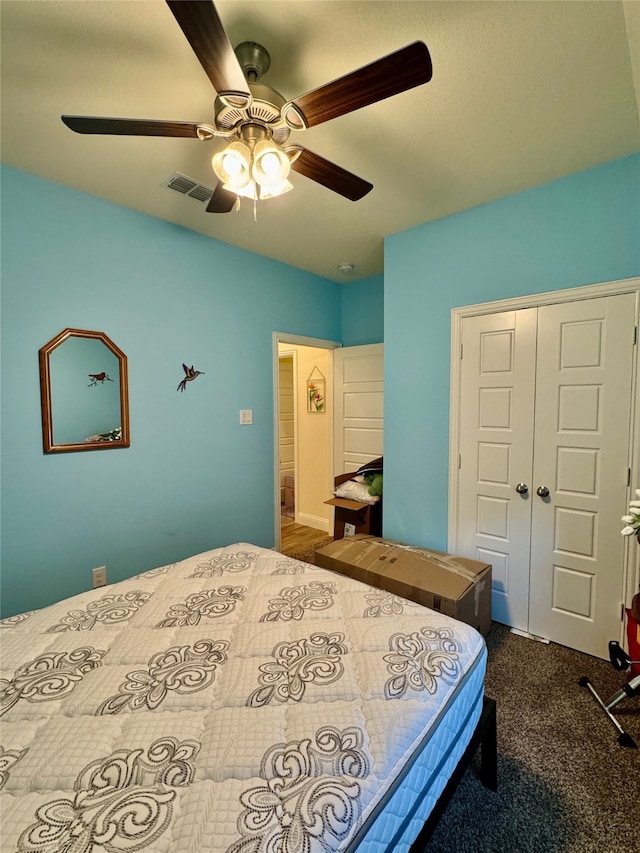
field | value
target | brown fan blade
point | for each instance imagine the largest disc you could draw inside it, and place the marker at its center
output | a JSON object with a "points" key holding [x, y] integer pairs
{"points": [[203, 29], [221, 201], [130, 126], [408, 67], [329, 175]]}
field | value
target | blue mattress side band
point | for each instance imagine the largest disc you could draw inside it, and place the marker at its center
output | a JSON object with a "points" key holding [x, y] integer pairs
{"points": [[469, 728], [364, 841]]}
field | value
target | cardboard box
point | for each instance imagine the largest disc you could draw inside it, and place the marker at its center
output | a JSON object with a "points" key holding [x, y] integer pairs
{"points": [[364, 517], [289, 494], [355, 516], [456, 586]]}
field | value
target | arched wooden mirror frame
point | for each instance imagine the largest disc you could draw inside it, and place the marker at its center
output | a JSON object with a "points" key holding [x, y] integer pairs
{"points": [[48, 430]]}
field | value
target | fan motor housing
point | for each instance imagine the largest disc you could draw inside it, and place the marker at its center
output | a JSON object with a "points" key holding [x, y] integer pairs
{"points": [[264, 109]]}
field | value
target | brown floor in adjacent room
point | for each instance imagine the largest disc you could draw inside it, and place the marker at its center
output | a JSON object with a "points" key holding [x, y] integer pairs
{"points": [[299, 541]]}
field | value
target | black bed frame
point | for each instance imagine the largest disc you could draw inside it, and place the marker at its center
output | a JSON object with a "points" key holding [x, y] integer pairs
{"points": [[485, 737]]}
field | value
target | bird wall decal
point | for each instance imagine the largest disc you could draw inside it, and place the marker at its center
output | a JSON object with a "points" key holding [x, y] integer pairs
{"points": [[98, 377], [190, 374]]}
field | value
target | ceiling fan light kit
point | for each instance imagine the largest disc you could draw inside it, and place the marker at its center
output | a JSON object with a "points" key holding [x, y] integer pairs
{"points": [[257, 120], [253, 165]]}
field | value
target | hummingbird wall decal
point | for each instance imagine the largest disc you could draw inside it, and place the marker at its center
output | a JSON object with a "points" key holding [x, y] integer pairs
{"points": [[98, 377], [189, 375]]}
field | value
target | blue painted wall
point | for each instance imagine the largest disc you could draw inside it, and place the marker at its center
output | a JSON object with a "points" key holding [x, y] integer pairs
{"points": [[581, 230], [193, 478], [363, 311]]}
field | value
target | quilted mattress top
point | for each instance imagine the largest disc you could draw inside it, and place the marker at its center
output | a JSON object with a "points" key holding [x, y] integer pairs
{"points": [[236, 701]]}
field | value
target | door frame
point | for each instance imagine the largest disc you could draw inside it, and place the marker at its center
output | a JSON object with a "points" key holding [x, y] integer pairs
{"points": [[572, 294], [293, 355], [303, 341]]}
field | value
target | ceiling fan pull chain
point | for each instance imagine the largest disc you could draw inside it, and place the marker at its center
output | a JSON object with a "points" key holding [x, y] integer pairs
{"points": [[255, 210]]}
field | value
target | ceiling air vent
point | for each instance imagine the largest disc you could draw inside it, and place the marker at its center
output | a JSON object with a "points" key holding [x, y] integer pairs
{"points": [[187, 186]]}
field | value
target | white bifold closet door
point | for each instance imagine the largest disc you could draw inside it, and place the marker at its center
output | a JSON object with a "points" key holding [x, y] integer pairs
{"points": [[544, 432]]}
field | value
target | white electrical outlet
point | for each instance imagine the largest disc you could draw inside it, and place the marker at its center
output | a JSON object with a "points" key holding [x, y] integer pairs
{"points": [[246, 416], [99, 576]]}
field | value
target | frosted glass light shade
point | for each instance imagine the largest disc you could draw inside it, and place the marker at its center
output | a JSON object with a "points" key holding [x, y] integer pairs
{"points": [[272, 192], [233, 165], [270, 164], [257, 193], [250, 190]]}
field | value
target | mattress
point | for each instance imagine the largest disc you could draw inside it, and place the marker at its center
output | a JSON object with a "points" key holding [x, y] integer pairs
{"points": [[238, 701]]}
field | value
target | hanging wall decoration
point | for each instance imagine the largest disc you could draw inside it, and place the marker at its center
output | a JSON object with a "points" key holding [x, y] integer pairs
{"points": [[98, 377], [315, 392], [189, 375]]}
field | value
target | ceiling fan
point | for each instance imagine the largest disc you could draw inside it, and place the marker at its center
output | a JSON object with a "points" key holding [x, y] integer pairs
{"points": [[257, 121]]}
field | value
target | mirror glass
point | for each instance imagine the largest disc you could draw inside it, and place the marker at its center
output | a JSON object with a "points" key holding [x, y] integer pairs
{"points": [[83, 383]]}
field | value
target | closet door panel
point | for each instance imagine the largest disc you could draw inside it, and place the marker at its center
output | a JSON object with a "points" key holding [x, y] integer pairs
{"points": [[582, 424], [495, 441]]}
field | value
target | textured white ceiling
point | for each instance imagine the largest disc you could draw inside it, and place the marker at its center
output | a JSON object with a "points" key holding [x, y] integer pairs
{"points": [[522, 93]]}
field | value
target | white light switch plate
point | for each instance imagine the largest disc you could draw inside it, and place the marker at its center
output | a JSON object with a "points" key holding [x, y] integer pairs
{"points": [[246, 416]]}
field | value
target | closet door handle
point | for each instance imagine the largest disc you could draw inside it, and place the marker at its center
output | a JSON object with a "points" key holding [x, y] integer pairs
{"points": [[542, 491], [522, 488]]}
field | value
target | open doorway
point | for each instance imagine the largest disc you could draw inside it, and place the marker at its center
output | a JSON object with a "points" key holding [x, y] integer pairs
{"points": [[303, 441], [287, 424]]}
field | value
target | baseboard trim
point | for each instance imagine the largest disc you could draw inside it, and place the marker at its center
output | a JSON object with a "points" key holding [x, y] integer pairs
{"points": [[312, 521]]}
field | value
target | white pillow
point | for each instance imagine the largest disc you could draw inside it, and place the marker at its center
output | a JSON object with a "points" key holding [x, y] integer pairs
{"points": [[353, 491]]}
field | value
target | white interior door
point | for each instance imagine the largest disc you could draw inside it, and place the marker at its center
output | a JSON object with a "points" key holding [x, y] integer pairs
{"points": [[582, 428], [358, 425], [496, 437], [545, 403]]}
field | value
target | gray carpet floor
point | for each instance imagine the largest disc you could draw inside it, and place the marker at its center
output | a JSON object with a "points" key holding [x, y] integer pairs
{"points": [[565, 784]]}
